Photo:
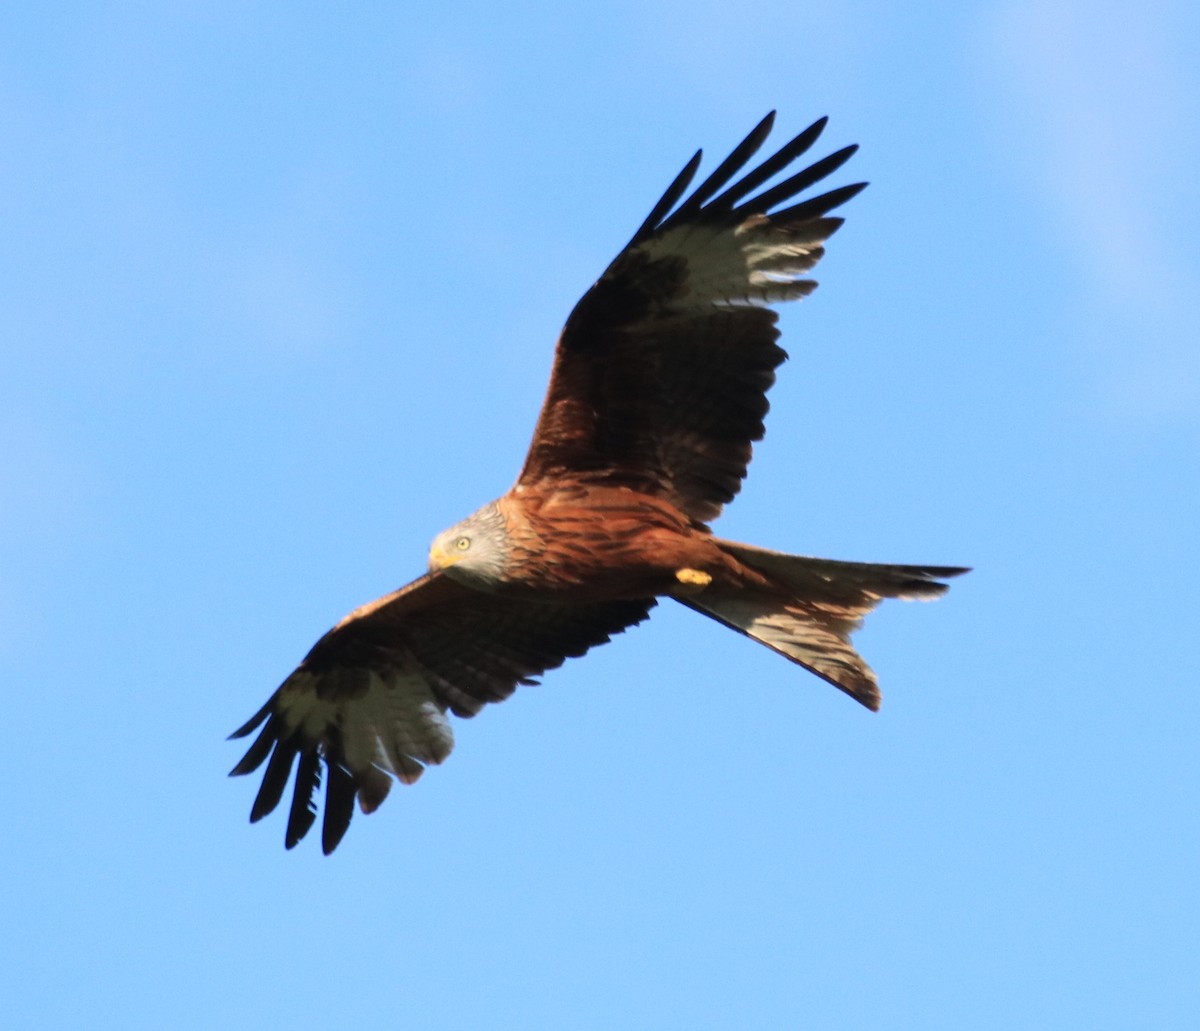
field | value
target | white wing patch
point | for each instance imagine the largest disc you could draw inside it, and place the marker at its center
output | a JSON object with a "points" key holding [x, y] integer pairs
{"points": [[759, 264], [384, 720]]}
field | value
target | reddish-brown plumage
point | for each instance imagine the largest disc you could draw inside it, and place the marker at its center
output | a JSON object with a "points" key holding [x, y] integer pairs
{"points": [[656, 397], [596, 543]]}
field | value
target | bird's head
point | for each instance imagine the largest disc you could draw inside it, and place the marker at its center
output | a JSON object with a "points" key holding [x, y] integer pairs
{"points": [[474, 551]]}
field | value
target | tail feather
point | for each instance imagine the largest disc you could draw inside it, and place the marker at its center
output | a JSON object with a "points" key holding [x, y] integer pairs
{"points": [[846, 580], [815, 606]]}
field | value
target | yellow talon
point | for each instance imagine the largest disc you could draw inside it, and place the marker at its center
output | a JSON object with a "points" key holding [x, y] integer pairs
{"points": [[693, 577]]}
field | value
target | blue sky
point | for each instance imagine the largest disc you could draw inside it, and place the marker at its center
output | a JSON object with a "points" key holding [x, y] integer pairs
{"points": [[278, 293]]}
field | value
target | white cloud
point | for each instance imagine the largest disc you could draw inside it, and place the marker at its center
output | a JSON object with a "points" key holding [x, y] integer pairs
{"points": [[287, 262], [48, 515], [763, 55], [1108, 105]]}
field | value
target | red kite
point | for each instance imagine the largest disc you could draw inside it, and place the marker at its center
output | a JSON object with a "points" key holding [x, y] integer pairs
{"points": [[657, 393]]}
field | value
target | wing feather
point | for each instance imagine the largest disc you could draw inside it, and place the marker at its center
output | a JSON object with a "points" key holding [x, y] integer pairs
{"points": [[369, 701], [661, 373], [725, 171], [775, 164], [304, 807], [802, 181], [669, 198], [279, 770], [339, 808]]}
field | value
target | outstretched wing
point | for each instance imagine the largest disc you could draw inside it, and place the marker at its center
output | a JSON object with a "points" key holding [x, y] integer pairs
{"points": [[369, 701], [661, 372]]}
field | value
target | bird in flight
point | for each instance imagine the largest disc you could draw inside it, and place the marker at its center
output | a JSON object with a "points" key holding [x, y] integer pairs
{"points": [[657, 393]]}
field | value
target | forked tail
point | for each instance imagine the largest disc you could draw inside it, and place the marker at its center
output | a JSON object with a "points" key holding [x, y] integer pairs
{"points": [[816, 605]]}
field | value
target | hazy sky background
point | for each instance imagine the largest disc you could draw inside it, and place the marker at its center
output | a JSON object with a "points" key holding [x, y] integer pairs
{"points": [[279, 286]]}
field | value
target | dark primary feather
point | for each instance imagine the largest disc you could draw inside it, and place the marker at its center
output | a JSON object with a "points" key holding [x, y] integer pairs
{"points": [[661, 373], [742, 153], [339, 808], [464, 647], [304, 808], [667, 201], [802, 181], [279, 769], [725, 171], [826, 202], [775, 164]]}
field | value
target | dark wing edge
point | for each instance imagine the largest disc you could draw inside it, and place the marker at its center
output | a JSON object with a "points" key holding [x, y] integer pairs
{"points": [[369, 703], [661, 373], [701, 204]]}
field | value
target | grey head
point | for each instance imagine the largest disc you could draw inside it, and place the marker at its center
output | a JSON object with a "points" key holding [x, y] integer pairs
{"points": [[474, 551]]}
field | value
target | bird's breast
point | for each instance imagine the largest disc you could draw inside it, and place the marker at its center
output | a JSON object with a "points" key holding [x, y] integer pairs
{"points": [[590, 544]]}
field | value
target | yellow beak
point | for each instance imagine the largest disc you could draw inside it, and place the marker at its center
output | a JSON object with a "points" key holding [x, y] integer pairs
{"points": [[439, 559]]}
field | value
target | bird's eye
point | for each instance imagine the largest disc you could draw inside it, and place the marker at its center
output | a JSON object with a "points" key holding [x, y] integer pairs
{"points": [[463, 543]]}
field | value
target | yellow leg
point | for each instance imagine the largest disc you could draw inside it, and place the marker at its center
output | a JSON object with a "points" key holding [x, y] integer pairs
{"points": [[693, 577]]}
